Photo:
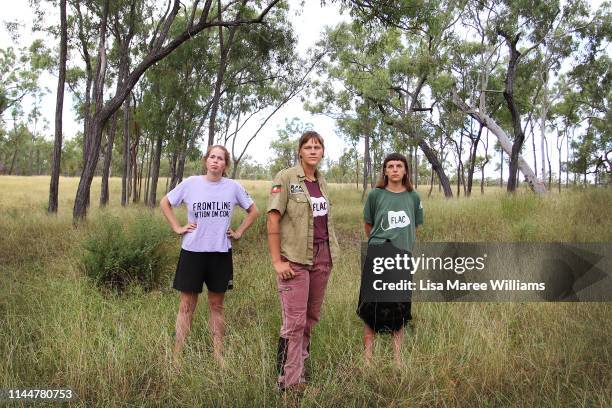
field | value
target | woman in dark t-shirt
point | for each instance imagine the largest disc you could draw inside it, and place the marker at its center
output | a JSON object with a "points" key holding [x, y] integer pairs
{"points": [[392, 213]]}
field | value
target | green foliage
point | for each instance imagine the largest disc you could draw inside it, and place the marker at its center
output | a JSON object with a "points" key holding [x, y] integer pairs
{"points": [[347, 169], [19, 74], [588, 95], [251, 170], [72, 156], [118, 253], [285, 146], [22, 153]]}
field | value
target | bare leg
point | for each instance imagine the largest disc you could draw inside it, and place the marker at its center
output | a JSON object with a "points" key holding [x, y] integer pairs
{"points": [[184, 317], [368, 343], [216, 323], [398, 337]]}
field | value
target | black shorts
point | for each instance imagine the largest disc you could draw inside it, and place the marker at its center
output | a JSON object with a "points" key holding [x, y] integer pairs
{"points": [[196, 268], [385, 317]]}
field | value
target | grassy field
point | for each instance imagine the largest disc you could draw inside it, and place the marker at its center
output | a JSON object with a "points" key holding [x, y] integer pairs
{"points": [[57, 329]]}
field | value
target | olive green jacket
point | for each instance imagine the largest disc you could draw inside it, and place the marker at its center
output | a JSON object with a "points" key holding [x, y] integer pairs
{"points": [[289, 196]]}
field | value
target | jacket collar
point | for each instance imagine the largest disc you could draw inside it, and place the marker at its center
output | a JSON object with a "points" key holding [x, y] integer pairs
{"points": [[302, 175]]}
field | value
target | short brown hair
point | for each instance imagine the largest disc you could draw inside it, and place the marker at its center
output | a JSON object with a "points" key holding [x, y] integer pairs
{"points": [[384, 180], [226, 155], [306, 136]]}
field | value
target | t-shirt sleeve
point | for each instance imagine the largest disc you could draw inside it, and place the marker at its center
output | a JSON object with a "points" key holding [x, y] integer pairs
{"points": [[418, 210], [242, 197], [176, 196], [278, 194], [369, 208]]}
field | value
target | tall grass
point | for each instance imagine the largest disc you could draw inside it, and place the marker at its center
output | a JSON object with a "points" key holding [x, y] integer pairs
{"points": [[57, 329]]}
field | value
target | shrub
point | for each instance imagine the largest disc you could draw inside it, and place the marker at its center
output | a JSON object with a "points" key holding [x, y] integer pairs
{"points": [[118, 252]]}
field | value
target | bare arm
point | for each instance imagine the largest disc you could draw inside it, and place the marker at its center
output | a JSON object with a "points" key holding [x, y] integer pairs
{"points": [[174, 224], [367, 228], [252, 214], [283, 270]]}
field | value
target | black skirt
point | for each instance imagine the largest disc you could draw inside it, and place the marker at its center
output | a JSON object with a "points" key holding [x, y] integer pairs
{"points": [[385, 317], [382, 317]]}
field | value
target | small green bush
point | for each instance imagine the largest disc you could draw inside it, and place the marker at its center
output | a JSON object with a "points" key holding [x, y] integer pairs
{"points": [[118, 253]]}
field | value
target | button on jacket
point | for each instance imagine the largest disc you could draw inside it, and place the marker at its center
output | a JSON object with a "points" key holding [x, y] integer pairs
{"points": [[289, 196]]}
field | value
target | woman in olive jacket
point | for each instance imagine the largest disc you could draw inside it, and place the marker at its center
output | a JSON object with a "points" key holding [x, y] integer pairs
{"points": [[302, 244]]}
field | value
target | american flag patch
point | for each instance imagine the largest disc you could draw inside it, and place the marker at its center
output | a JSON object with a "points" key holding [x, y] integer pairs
{"points": [[276, 188]]}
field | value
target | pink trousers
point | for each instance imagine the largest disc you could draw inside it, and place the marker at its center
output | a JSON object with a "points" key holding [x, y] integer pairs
{"points": [[301, 298]]}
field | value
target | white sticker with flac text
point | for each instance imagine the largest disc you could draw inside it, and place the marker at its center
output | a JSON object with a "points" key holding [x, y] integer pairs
{"points": [[396, 219], [319, 206]]}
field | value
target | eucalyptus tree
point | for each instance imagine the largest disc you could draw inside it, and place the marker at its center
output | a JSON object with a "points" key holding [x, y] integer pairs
{"points": [[482, 161], [593, 146], [225, 45], [463, 62], [263, 73], [284, 146], [538, 38], [430, 32], [500, 166], [563, 114], [20, 72], [188, 85], [175, 104], [15, 142], [199, 16], [345, 169], [385, 71], [355, 116], [591, 80], [156, 111], [481, 100], [59, 107]]}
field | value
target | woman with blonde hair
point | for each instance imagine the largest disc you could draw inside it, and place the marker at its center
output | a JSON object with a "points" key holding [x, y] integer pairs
{"points": [[206, 248]]}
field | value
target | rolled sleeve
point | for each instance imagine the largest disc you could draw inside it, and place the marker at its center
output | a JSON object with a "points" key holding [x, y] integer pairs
{"points": [[278, 194]]}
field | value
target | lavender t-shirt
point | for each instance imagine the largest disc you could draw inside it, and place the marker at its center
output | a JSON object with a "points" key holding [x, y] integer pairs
{"points": [[210, 206]]}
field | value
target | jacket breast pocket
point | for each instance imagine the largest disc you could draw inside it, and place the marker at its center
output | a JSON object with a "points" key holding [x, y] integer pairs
{"points": [[297, 205]]}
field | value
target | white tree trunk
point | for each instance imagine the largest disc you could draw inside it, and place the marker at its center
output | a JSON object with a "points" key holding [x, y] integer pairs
{"points": [[536, 185], [543, 114]]}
